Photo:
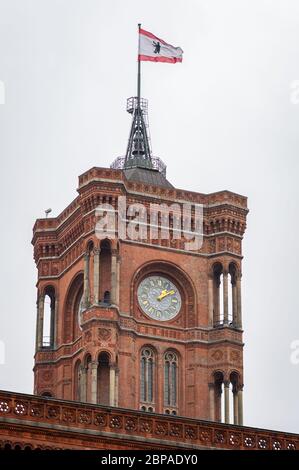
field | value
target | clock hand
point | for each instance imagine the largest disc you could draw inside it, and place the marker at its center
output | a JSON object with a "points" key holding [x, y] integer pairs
{"points": [[164, 293]]}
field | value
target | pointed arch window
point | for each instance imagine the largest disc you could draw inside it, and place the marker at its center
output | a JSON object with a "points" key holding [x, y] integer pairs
{"points": [[147, 375], [170, 379], [48, 318]]}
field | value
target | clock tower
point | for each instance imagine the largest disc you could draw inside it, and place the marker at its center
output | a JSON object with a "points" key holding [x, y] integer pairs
{"points": [[127, 314]]}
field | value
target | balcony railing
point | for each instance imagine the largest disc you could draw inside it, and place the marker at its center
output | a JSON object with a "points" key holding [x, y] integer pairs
{"points": [[158, 164]]}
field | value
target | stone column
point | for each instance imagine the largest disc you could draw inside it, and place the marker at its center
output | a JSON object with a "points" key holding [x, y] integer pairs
{"points": [[225, 298], [83, 383], [212, 401], [239, 302], [77, 383], [112, 385], [52, 324], [86, 280], [36, 326], [116, 386], [117, 279], [94, 378], [240, 406], [159, 398], [55, 337], [210, 302], [96, 275], [113, 277], [226, 402], [40, 321], [236, 410], [235, 304]]}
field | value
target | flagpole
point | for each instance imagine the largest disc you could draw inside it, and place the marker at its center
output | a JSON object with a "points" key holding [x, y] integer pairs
{"points": [[139, 70]]}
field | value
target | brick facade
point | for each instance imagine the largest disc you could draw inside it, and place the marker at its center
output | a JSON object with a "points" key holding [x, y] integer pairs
{"points": [[94, 342], [73, 264]]}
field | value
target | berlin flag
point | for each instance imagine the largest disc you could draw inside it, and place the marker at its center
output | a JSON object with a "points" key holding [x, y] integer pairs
{"points": [[156, 50]]}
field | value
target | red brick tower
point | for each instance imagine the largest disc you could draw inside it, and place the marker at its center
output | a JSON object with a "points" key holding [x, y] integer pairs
{"points": [[141, 323]]}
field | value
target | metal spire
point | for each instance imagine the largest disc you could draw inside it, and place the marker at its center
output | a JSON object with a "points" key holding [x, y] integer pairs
{"points": [[138, 151]]}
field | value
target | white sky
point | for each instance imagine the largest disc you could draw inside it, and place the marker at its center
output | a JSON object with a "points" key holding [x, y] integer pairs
{"points": [[223, 119]]}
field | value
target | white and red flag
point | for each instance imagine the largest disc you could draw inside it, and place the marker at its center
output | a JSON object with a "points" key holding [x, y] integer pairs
{"points": [[156, 50]]}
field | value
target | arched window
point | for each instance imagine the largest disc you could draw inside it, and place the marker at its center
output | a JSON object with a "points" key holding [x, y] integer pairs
{"points": [[48, 318], [72, 318], [218, 294], [47, 322], [103, 377], [226, 296], [77, 381], [170, 379], [107, 297], [233, 298], [147, 375], [226, 398], [105, 271]]}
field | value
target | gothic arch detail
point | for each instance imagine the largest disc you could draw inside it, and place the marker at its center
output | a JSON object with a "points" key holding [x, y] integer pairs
{"points": [[171, 381], [71, 306], [147, 377]]}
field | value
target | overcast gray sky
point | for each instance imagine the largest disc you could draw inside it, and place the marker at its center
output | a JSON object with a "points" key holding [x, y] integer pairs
{"points": [[223, 119]]}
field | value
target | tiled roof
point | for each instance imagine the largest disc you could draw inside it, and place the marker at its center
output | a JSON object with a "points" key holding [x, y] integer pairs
{"points": [[143, 175]]}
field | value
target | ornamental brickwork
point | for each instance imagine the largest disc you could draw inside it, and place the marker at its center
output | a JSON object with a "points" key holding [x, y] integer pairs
{"points": [[98, 331], [71, 425]]}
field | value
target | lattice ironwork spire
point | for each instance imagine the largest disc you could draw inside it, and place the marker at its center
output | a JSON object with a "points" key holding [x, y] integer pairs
{"points": [[139, 150]]}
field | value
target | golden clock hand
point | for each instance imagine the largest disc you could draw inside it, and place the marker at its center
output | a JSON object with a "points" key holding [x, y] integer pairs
{"points": [[171, 292], [164, 293]]}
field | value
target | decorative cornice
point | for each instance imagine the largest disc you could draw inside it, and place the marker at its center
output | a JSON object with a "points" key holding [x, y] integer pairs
{"points": [[54, 418]]}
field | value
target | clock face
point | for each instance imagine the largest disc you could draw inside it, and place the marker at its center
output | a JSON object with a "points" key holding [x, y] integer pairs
{"points": [[159, 298]]}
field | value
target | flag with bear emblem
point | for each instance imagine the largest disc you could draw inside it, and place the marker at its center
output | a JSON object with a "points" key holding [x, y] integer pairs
{"points": [[153, 49]]}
